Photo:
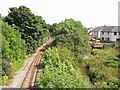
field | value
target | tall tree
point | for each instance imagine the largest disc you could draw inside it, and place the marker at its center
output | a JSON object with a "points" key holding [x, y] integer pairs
{"points": [[33, 28], [73, 35]]}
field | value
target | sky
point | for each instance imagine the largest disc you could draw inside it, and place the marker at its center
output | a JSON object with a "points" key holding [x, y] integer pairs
{"points": [[91, 13]]}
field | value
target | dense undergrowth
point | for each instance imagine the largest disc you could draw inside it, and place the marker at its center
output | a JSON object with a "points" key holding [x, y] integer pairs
{"points": [[63, 59], [23, 32], [59, 71], [13, 50], [103, 67]]}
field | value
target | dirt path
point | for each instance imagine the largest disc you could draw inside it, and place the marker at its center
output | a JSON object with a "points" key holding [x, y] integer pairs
{"points": [[20, 75], [18, 78]]}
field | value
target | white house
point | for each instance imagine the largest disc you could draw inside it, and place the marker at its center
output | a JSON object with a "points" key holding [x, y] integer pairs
{"points": [[106, 33], [96, 32]]}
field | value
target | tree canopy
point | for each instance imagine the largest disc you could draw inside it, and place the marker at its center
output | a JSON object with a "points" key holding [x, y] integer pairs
{"points": [[23, 32], [73, 35], [62, 60], [33, 28]]}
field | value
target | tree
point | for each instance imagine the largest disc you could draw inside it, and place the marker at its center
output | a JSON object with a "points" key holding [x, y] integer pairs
{"points": [[62, 60], [32, 27], [13, 48], [73, 35], [21, 17]]}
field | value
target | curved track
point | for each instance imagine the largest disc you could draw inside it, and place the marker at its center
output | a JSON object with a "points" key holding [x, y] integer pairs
{"points": [[30, 76]]}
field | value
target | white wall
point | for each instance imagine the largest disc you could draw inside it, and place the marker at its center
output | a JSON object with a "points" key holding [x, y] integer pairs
{"points": [[114, 37], [105, 35], [95, 34], [99, 34], [110, 35]]}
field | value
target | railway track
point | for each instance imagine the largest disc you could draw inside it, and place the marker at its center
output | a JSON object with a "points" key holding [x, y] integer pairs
{"points": [[30, 76]]}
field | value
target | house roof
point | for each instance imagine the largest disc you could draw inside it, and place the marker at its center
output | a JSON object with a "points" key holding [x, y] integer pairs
{"points": [[107, 29], [116, 29], [98, 28]]}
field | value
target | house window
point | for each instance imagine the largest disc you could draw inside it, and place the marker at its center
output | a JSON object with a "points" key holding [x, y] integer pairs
{"points": [[102, 38], [95, 32], [108, 39], [115, 33], [102, 33], [108, 33], [119, 33]]}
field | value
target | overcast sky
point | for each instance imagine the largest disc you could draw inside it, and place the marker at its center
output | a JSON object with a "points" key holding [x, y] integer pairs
{"points": [[91, 13]]}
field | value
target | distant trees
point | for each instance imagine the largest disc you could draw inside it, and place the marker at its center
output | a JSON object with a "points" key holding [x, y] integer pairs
{"points": [[33, 28], [74, 36], [23, 32], [31, 31], [62, 60]]}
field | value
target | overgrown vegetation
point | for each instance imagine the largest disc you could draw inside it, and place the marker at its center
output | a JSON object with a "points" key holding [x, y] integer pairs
{"points": [[33, 28], [59, 71], [22, 34], [13, 50], [103, 67], [72, 35], [62, 60]]}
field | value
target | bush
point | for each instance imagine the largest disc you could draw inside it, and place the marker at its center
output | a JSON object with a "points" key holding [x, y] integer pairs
{"points": [[59, 71], [13, 50], [103, 67]]}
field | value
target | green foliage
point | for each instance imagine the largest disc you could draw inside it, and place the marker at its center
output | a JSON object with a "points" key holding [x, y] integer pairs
{"points": [[13, 49], [33, 28], [103, 84], [6, 68], [103, 67], [25, 33], [73, 35], [71, 39], [17, 65], [59, 71]]}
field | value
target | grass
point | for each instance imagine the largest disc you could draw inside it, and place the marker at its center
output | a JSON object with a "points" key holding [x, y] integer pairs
{"points": [[15, 67], [103, 64]]}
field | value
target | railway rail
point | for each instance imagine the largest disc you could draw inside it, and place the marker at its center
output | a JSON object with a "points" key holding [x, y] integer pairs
{"points": [[30, 76], [26, 76]]}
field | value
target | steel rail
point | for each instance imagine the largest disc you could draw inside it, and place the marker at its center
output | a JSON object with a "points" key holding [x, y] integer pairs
{"points": [[30, 76]]}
